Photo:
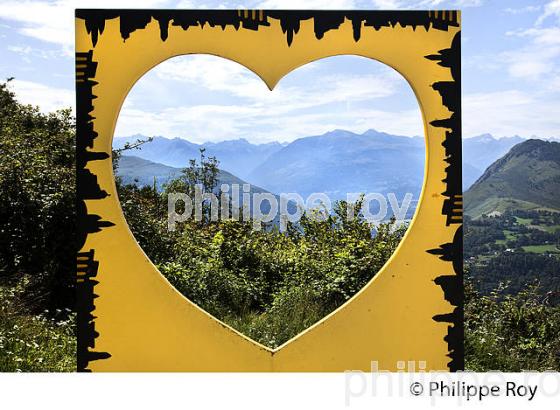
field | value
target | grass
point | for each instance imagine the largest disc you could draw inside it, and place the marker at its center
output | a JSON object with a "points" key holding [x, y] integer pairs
{"points": [[490, 204], [510, 236], [547, 228], [523, 221], [34, 343], [541, 249]]}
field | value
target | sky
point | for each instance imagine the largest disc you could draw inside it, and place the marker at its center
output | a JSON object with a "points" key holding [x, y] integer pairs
{"points": [[511, 76]]}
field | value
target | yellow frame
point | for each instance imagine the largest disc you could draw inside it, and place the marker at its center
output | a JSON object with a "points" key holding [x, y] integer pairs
{"points": [[131, 319]]}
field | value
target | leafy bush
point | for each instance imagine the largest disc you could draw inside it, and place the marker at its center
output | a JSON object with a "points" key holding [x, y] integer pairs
{"points": [[268, 284], [37, 201], [505, 332]]}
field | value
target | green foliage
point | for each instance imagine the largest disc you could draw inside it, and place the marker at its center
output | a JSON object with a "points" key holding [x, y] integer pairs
{"points": [[203, 174], [273, 285], [147, 218], [34, 343], [37, 237], [270, 285], [37, 200], [511, 332], [518, 269]]}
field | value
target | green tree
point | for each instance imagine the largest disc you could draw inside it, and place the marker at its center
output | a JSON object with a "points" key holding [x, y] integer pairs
{"points": [[37, 200]]}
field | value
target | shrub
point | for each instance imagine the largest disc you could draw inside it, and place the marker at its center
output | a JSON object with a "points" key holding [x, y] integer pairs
{"points": [[505, 332]]}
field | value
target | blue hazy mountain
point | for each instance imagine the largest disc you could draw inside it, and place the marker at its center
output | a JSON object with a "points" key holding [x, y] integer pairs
{"points": [[341, 162], [480, 152], [336, 162], [239, 156], [143, 172]]}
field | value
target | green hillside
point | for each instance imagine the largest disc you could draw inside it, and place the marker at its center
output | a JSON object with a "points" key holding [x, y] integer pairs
{"points": [[142, 172], [139, 171], [526, 178]]}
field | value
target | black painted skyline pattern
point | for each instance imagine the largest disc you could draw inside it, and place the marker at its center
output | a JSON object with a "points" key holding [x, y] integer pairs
{"points": [[290, 21], [452, 285], [87, 188]]}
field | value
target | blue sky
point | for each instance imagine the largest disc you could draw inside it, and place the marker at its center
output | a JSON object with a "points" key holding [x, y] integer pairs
{"points": [[511, 76]]}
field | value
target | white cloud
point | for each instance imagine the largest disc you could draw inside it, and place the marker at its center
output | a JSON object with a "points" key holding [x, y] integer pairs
{"points": [[217, 74], [245, 108], [24, 50], [522, 10], [510, 112], [213, 73], [27, 51], [54, 21], [551, 9], [534, 67], [529, 69], [468, 3], [288, 112], [399, 4], [542, 36], [47, 98], [536, 59], [198, 122], [221, 122], [48, 21]]}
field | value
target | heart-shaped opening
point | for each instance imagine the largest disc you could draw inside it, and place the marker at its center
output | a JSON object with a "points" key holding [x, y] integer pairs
{"points": [[269, 209]]}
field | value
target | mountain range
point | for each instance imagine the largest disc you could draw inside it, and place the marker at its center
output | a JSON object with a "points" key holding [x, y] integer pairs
{"points": [[239, 156], [527, 177], [341, 162], [516, 173], [336, 162]]}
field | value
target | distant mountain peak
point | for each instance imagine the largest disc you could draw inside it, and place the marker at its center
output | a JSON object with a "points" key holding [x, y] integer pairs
{"points": [[242, 141], [489, 138], [373, 131], [338, 132], [141, 136], [484, 138]]}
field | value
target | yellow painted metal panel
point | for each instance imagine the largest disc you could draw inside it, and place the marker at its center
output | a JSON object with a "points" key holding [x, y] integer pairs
{"points": [[144, 324]]}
